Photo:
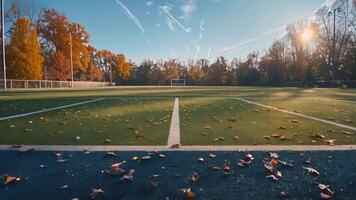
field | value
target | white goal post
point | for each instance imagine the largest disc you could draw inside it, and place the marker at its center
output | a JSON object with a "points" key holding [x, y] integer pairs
{"points": [[177, 82]]}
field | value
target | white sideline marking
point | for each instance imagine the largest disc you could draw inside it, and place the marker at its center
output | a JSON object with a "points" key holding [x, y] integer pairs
{"points": [[50, 109], [301, 115], [263, 148], [174, 130]]}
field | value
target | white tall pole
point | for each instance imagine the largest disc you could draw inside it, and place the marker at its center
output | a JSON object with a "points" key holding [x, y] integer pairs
{"points": [[71, 58], [3, 41]]}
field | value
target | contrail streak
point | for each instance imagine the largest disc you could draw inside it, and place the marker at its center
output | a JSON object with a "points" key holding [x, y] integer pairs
{"points": [[135, 20], [165, 10]]}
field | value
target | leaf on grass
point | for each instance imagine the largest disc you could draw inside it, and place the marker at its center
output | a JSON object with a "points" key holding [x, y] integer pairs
{"points": [[330, 142], [95, 192], [317, 134], [347, 132], [175, 146], [311, 171]]}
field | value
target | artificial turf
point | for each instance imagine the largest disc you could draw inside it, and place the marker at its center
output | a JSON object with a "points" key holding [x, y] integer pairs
{"points": [[230, 121], [131, 121], [200, 107], [42, 177]]}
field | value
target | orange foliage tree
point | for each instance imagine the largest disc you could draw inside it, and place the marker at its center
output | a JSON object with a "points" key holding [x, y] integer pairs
{"points": [[24, 60]]}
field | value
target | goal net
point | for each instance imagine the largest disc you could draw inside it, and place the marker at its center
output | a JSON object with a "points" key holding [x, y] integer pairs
{"points": [[178, 82]]}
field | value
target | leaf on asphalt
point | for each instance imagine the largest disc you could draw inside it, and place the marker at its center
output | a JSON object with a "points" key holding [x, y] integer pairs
{"points": [[111, 154], [246, 161], [212, 155], [194, 177], [8, 179], [189, 194], [95, 192], [311, 171], [273, 177], [273, 155], [146, 158], [129, 176], [269, 166]]}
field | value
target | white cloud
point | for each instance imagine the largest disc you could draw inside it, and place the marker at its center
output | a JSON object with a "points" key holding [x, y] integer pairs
{"points": [[188, 9], [149, 3], [135, 20], [166, 10]]}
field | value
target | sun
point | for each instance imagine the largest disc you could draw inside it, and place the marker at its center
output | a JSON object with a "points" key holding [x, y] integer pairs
{"points": [[307, 35]]}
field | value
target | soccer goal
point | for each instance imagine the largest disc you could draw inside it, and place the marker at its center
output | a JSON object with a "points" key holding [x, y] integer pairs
{"points": [[178, 82]]}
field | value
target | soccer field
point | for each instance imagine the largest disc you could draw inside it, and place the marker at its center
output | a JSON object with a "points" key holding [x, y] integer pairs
{"points": [[142, 116]]}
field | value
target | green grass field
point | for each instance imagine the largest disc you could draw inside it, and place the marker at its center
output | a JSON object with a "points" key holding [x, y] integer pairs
{"points": [[208, 116]]}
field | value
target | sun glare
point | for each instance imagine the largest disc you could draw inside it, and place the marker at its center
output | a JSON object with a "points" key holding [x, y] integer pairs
{"points": [[307, 35]]}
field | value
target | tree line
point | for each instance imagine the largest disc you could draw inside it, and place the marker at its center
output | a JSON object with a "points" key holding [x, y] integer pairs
{"points": [[42, 43], [310, 50]]}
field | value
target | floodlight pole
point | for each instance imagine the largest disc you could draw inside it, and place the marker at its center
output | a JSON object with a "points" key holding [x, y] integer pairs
{"points": [[338, 9], [71, 58], [3, 41], [334, 48]]}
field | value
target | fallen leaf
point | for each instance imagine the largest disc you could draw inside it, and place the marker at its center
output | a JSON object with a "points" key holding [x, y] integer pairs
{"points": [[7, 179], [95, 192], [146, 158], [311, 171], [212, 155], [194, 177]]}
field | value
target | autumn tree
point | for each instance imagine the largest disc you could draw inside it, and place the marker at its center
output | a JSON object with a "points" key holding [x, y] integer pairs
{"points": [[122, 68], [60, 67], [24, 60], [56, 32]]}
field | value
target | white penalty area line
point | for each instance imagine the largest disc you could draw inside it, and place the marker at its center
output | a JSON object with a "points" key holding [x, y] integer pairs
{"points": [[50, 109], [237, 148], [300, 115], [174, 130]]}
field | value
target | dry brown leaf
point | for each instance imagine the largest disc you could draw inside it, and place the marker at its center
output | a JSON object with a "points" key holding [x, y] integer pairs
{"points": [[311, 171], [95, 192]]}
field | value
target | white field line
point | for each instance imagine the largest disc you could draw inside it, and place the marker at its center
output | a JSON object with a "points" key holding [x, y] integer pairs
{"points": [[50, 109], [174, 130], [262, 148], [301, 115]]}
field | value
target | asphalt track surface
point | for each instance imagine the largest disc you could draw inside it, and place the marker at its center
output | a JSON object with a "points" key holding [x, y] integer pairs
{"points": [[42, 177]]}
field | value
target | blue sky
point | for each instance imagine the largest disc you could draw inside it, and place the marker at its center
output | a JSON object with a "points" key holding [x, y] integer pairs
{"points": [[184, 28]]}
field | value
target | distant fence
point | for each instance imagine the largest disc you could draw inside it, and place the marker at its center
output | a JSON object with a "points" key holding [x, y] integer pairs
{"points": [[324, 84], [38, 84]]}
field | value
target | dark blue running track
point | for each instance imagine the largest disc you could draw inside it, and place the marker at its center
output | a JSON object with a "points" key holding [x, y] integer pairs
{"points": [[42, 177]]}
